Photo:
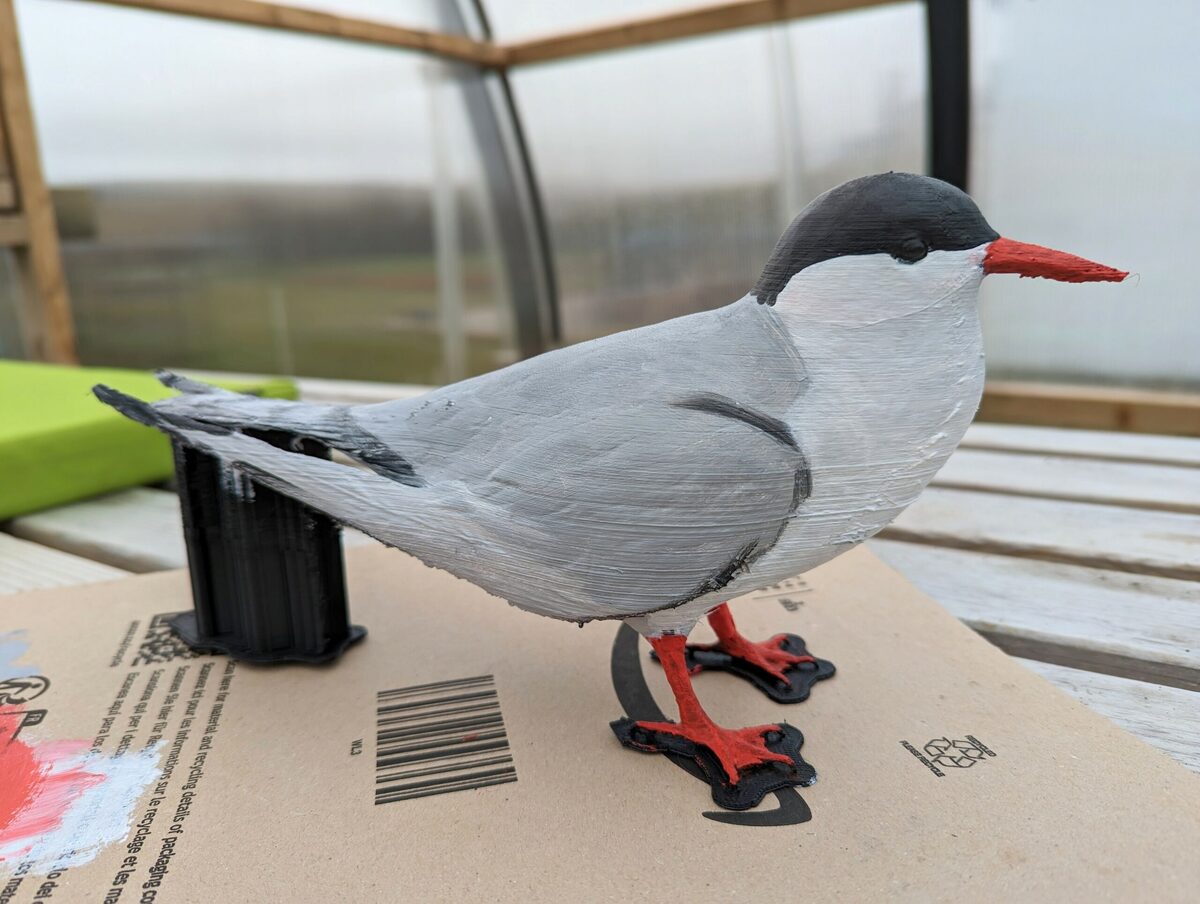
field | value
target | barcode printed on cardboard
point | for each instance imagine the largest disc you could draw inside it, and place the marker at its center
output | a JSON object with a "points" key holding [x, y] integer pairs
{"points": [[441, 737], [160, 644]]}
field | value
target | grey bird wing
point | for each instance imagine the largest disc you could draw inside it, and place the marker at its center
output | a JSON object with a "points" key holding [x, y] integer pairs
{"points": [[640, 520], [607, 479]]}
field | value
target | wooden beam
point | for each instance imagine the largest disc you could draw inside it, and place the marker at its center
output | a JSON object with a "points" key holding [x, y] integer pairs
{"points": [[46, 315], [1091, 407], [8, 191], [614, 36], [312, 22], [13, 230], [671, 26]]}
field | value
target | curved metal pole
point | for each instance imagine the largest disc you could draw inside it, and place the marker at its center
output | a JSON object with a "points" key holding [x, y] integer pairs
{"points": [[512, 185]]}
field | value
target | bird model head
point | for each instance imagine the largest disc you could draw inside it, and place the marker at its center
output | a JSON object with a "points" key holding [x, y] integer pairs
{"points": [[883, 246]]}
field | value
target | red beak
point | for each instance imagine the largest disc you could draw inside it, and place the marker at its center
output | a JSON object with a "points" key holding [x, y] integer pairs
{"points": [[1008, 256]]}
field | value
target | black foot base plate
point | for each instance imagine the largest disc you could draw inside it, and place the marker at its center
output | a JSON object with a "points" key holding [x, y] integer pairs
{"points": [[801, 678], [184, 625], [752, 785]]}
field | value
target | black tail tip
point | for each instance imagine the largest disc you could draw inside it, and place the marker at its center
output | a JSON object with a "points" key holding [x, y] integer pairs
{"points": [[134, 409]]}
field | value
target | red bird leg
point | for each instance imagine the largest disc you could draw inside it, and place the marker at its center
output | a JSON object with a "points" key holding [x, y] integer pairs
{"points": [[766, 654], [735, 748]]}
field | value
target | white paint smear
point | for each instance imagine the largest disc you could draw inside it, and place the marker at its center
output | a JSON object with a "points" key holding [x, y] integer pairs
{"points": [[101, 815]]}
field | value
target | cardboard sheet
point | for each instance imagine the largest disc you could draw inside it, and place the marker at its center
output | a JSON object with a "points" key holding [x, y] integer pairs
{"points": [[947, 771]]}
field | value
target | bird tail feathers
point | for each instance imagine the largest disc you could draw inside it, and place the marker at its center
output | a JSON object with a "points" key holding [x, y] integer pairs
{"points": [[202, 406], [353, 496]]}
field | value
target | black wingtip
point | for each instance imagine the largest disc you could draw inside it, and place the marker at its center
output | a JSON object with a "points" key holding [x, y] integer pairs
{"points": [[186, 385], [166, 377], [145, 413], [134, 409]]}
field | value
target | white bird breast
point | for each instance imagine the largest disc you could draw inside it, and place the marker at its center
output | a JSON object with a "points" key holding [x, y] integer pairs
{"points": [[893, 353]]}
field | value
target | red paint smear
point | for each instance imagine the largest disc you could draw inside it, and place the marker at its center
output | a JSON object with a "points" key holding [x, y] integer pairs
{"points": [[1010, 256], [33, 794]]}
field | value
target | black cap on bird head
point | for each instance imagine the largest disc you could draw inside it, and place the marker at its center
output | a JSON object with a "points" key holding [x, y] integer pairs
{"points": [[907, 217], [900, 214]]}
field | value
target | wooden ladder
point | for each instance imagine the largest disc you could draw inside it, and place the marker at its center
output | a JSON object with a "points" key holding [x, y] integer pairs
{"points": [[27, 224]]}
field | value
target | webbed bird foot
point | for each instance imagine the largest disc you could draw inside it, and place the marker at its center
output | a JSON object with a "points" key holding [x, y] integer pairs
{"points": [[737, 750], [780, 667], [771, 656], [741, 765]]}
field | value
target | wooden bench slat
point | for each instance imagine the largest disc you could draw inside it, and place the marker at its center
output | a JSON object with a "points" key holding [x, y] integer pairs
{"points": [[30, 566], [1159, 487], [321, 389], [355, 392], [1164, 717], [1166, 544], [1129, 625], [1094, 444], [139, 530]]}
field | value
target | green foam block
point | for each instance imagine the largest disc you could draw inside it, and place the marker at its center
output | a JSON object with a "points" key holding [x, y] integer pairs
{"points": [[58, 443]]}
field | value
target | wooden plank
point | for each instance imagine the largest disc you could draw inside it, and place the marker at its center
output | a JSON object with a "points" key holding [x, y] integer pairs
{"points": [[322, 390], [354, 392], [327, 25], [671, 26], [1164, 717], [49, 328], [1120, 624], [14, 230], [1166, 544], [1158, 487], [8, 190], [138, 530], [30, 566], [1091, 407], [1135, 448]]}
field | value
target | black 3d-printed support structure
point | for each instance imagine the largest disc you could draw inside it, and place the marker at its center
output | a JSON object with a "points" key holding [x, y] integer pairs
{"points": [[267, 574]]}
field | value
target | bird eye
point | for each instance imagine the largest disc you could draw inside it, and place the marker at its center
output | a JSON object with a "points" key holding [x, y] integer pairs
{"points": [[911, 250]]}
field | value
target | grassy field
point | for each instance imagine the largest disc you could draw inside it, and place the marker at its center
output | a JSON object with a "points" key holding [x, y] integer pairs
{"points": [[340, 280], [372, 318]]}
